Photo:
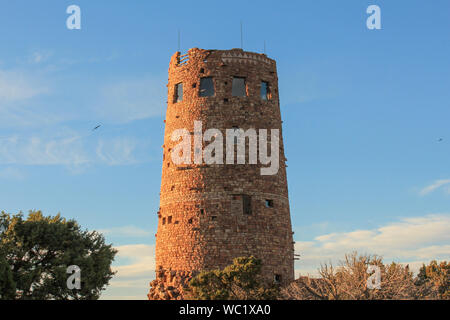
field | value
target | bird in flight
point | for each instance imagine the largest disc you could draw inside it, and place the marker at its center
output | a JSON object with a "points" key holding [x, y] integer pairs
{"points": [[440, 139], [97, 127]]}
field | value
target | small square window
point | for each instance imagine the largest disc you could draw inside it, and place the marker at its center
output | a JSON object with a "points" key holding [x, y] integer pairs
{"points": [[265, 90], [190, 221], [277, 278], [206, 87], [178, 92], [269, 203], [213, 218], [238, 88]]}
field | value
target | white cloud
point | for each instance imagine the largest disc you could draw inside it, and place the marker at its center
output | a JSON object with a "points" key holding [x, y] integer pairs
{"points": [[35, 150], [39, 57], [133, 277], [116, 151], [67, 148], [411, 240], [434, 186], [133, 99], [126, 231], [141, 257], [20, 93], [16, 85]]}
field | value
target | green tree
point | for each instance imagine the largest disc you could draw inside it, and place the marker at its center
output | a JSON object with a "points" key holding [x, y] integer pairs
{"points": [[7, 285], [239, 281], [37, 251]]}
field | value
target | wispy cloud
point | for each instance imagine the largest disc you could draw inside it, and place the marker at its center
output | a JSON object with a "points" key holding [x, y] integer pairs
{"points": [[67, 148], [141, 259], [21, 94], [35, 150], [17, 85], [126, 231], [116, 151], [39, 56], [415, 240], [132, 99], [135, 269], [434, 186]]}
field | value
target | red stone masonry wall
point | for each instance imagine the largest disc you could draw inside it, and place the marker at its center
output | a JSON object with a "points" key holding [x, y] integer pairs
{"points": [[201, 221]]}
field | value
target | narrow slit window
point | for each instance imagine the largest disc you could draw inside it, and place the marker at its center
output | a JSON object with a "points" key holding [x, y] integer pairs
{"points": [[247, 204], [178, 92], [265, 90], [163, 221], [238, 88], [235, 132], [206, 87], [169, 219]]}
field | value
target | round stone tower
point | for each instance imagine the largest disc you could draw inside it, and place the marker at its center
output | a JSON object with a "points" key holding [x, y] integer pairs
{"points": [[214, 211]]}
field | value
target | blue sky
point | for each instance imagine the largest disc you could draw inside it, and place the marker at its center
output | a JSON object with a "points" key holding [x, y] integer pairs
{"points": [[363, 111]]}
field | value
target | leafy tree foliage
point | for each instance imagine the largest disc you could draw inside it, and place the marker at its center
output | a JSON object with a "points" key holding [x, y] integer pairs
{"points": [[35, 253], [239, 281], [7, 285]]}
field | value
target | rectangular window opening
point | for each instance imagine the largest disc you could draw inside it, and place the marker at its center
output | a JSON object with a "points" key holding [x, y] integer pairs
{"points": [[178, 92], [238, 87], [247, 204], [269, 203], [277, 278], [164, 221], [169, 219], [265, 91], [206, 87]]}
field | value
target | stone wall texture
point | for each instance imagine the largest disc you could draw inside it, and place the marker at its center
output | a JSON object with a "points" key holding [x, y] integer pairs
{"points": [[212, 213]]}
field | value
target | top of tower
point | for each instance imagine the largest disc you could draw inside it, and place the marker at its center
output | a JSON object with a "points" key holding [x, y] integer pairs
{"points": [[235, 55]]}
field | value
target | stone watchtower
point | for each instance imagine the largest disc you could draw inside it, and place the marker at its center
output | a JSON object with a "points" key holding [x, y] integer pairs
{"points": [[212, 213]]}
